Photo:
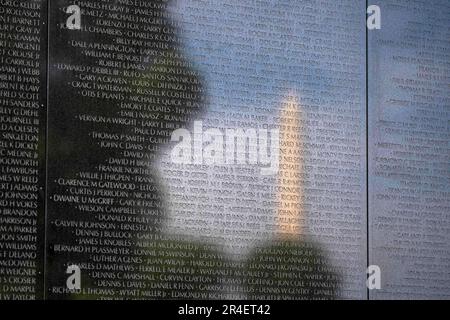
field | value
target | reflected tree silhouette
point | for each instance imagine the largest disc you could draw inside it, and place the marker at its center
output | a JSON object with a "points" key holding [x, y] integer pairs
{"points": [[76, 150]]}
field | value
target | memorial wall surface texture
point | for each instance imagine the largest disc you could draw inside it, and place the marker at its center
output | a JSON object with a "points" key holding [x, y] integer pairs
{"points": [[22, 148], [191, 149], [409, 171]]}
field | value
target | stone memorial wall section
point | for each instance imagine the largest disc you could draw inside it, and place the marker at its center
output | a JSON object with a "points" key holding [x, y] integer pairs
{"points": [[137, 224], [409, 136], [92, 92], [22, 148], [294, 65]]}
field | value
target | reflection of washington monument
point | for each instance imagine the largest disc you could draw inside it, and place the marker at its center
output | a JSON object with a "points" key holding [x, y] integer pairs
{"points": [[290, 217], [300, 269]]}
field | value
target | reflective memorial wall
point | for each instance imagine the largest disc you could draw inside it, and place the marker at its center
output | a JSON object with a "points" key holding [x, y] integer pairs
{"points": [[23, 107], [409, 168], [223, 149]]}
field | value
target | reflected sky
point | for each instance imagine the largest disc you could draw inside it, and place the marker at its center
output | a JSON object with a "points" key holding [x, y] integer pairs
{"points": [[252, 56]]}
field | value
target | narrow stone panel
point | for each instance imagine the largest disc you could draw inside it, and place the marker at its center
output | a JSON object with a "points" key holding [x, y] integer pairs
{"points": [[23, 90]]}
